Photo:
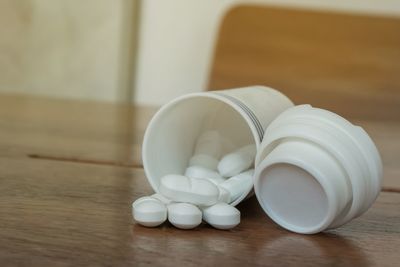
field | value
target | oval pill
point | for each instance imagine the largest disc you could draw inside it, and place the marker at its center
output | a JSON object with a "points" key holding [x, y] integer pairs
{"points": [[184, 215], [149, 212], [238, 184], [180, 188], [224, 195], [237, 161], [221, 216], [203, 173]]}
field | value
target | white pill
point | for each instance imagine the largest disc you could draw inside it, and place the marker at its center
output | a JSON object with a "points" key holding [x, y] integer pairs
{"points": [[237, 161], [180, 188], [238, 184], [224, 195], [209, 143], [203, 173], [221, 216], [184, 215], [149, 211], [162, 198], [204, 160]]}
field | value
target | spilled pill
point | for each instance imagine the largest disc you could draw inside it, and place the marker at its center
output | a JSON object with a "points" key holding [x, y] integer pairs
{"points": [[184, 215], [204, 191], [238, 184], [149, 211], [237, 161], [180, 188], [161, 198], [221, 216]]}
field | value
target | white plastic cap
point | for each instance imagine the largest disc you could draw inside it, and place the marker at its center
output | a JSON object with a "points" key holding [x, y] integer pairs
{"points": [[315, 170]]}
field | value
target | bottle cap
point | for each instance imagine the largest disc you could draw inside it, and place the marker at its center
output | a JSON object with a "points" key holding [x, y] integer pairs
{"points": [[315, 170]]}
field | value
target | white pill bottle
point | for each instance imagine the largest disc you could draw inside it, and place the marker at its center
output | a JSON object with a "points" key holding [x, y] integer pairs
{"points": [[315, 170], [239, 115], [341, 169]]}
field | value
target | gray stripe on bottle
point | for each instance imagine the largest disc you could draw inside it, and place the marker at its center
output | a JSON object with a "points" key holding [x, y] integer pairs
{"points": [[248, 112]]}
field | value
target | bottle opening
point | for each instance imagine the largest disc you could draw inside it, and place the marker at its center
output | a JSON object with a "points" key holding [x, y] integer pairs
{"points": [[171, 135], [293, 198]]}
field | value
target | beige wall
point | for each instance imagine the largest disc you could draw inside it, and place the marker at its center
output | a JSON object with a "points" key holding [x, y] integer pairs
{"points": [[177, 39], [85, 49], [66, 48]]}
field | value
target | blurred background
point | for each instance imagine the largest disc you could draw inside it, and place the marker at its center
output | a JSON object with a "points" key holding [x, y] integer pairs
{"points": [[329, 53], [81, 79]]}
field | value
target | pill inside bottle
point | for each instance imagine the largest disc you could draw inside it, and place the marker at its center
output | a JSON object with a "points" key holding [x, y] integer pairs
{"points": [[192, 137], [197, 130]]}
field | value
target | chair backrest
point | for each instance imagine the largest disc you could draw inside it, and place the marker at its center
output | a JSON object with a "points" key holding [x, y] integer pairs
{"points": [[348, 63]]}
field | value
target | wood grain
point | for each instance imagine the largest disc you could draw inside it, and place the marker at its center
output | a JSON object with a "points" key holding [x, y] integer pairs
{"points": [[109, 134], [386, 135], [72, 214], [346, 63], [69, 170], [72, 130]]}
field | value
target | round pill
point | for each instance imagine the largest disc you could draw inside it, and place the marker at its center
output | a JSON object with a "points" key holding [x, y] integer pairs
{"points": [[184, 215], [149, 212], [221, 216], [237, 161], [180, 188], [161, 198]]}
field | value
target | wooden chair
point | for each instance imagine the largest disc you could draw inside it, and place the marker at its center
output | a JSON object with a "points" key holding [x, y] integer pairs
{"points": [[346, 63]]}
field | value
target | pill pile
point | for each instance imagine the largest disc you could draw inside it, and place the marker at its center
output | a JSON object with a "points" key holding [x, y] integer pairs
{"points": [[204, 192]]}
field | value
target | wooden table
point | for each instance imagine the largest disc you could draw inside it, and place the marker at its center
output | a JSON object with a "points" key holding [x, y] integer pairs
{"points": [[70, 170]]}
